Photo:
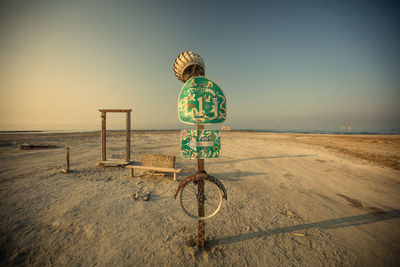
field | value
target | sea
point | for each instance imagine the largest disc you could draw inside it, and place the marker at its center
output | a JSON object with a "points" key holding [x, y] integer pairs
{"points": [[391, 131]]}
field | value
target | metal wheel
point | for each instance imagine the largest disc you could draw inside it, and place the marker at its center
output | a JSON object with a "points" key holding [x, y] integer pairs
{"points": [[189, 198]]}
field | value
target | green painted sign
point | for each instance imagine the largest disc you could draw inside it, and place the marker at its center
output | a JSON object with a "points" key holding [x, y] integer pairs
{"points": [[200, 144], [201, 101]]}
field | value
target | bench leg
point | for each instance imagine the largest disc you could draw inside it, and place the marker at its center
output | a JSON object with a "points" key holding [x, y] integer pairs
{"points": [[174, 176], [131, 172]]}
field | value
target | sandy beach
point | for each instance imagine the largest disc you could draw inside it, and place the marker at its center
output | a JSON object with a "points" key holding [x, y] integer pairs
{"points": [[293, 200]]}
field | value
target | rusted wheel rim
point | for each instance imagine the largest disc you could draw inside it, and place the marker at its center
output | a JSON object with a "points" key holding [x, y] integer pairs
{"points": [[185, 200]]}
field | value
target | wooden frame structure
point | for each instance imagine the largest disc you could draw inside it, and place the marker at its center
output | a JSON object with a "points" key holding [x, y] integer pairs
{"points": [[104, 160]]}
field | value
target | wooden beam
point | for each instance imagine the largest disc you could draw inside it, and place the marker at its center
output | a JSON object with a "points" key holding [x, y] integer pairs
{"points": [[128, 136], [113, 162], [115, 110], [103, 136]]}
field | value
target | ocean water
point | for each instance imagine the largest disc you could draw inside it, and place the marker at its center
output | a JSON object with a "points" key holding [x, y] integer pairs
{"points": [[305, 131], [394, 131]]}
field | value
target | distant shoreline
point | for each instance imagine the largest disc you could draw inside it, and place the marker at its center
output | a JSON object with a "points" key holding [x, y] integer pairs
{"points": [[395, 132], [23, 131], [387, 132]]}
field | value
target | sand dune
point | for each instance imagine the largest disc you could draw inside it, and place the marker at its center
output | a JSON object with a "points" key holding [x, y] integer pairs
{"points": [[309, 200]]}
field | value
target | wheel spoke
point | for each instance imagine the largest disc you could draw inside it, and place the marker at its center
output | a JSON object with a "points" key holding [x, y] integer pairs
{"points": [[189, 200]]}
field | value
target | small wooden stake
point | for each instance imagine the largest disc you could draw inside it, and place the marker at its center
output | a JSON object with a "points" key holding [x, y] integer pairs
{"points": [[67, 158]]}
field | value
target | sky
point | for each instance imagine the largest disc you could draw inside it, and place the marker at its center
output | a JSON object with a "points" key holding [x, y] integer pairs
{"points": [[281, 64]]}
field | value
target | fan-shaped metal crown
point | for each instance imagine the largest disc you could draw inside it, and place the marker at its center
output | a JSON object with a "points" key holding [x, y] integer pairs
{"points": [[188, 65]]}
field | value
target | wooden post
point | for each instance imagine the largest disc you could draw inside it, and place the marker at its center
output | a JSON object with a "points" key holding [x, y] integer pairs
{"points": [[200, 191], [67, 159], [128, 136], [103, 136]]}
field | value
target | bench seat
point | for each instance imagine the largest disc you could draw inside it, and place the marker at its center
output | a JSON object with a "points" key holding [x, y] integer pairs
{"points": [[150, 168]]}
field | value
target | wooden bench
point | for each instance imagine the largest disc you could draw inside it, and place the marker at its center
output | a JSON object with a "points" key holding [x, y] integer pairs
{"points": [[158, 163]]}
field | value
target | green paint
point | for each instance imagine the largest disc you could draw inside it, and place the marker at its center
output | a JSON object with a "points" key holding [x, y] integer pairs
{"points": [[201, 101], [200, 144]]}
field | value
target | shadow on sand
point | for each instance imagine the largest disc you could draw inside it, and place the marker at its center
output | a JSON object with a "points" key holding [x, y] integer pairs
{"points": [[327, 224], [257, 158], [225, 176], [236, 176]]}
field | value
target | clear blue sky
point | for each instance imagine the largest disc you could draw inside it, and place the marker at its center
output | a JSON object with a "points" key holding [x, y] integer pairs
{"points": [[287, 64]]}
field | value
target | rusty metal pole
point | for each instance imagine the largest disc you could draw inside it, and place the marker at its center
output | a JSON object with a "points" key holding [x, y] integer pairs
{"points": [[103, 136], [200, 191]]}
